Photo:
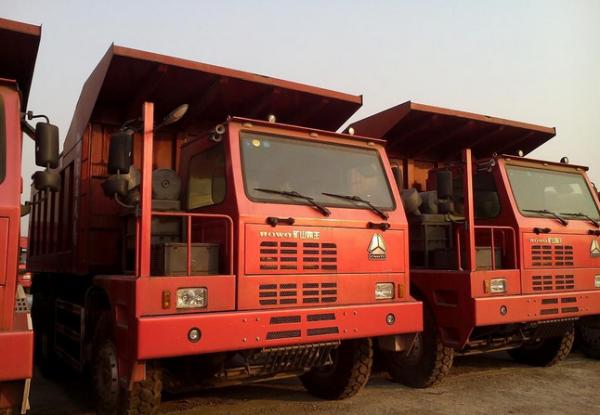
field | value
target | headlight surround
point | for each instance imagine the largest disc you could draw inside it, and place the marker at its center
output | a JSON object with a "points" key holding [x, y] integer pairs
{"points": [[192, 297], [495, 286], [597, 281], [384, 291]]}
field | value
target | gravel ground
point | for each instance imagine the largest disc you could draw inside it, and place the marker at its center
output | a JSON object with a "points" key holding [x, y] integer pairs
{"points": [[486, 384]]}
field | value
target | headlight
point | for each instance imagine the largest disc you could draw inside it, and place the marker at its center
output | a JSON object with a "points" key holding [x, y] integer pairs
{"points": [[26, 276], [192, 297], [384, 291], [597, 281], [495, 286]]}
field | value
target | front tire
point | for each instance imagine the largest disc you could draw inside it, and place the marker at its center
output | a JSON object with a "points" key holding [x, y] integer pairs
{"points": [[111, 399], [427, 363], [587, 333], [349, 373], [547, 353]]}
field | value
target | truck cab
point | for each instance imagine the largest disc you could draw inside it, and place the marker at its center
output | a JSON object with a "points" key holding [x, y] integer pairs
{"points": [[502, 247]]}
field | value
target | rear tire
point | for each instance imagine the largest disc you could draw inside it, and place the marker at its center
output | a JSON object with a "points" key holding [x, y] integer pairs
{"points": [[587, 333], [349, 373], [547, 353], [428, 362]]}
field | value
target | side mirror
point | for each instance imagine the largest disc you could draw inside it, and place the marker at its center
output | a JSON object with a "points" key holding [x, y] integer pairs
{"points": [[46, 145], [119, 153], [444, 184], [46, 180]]}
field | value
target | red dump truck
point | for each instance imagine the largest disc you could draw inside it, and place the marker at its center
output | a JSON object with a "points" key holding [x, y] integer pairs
{"points": [[504, 250], [201, 248], [17, 60]]}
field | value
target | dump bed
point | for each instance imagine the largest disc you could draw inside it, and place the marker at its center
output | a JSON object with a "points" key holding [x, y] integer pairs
{"points": [[430, 133], [65, 235], [20, 42], [126, 77]]}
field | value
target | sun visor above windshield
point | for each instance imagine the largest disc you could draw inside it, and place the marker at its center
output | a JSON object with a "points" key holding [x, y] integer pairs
{"points": [[432, 133], [125, 78]]}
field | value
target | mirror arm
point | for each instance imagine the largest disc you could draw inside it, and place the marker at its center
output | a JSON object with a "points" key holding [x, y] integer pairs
{"points": [[125, 205], [28, 129]]}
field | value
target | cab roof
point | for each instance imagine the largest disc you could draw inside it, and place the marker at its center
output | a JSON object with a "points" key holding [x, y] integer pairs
{"points": [[20, 43], [433, 133], [125, 78]]}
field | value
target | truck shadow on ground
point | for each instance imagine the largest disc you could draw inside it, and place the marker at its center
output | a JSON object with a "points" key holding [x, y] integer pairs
{"points": [[70, 393]]}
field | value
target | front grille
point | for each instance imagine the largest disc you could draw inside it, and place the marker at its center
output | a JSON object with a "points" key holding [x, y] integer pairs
{"points": [[290, 293], [552, 255], [294, 328], [294, 256], [554, 306], [558, 282]]}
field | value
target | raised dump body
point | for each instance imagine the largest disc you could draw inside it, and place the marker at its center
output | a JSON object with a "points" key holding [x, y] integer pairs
{"points": [[17, 60], [217, 243], [502, 247]]}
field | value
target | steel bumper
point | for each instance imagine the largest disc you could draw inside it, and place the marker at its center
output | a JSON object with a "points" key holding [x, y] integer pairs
{"points": [[535, 307], [167, 336], [16, 355]]}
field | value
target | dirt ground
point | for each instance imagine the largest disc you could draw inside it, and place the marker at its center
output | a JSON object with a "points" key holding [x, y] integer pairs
{"points": [[487, 384]]}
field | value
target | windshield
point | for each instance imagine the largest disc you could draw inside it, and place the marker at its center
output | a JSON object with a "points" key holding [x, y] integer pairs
{"points": [[310, 169], [538, 190]]}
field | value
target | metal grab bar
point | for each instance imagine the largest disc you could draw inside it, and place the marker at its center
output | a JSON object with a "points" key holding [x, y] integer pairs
{"points": [[492, 230]]}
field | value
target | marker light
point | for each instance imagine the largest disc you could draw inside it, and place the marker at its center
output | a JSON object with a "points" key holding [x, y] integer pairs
{"points": [[495, 286], [192, 297], [194, 334], [384, 291], [597, 281]]}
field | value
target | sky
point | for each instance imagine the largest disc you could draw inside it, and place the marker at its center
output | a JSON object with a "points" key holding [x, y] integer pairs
{"points": [[531, 61]]}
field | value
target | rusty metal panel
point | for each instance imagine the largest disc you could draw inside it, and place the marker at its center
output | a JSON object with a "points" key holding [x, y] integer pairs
{"points": [[432, 133]]}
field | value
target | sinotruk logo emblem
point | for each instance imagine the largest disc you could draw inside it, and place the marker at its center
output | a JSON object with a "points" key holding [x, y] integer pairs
{"points": [[595, 248], [377, 249]]}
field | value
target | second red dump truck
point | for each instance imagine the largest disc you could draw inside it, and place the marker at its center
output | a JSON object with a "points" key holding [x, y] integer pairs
{"points": [[196, 249], [504, 250]]}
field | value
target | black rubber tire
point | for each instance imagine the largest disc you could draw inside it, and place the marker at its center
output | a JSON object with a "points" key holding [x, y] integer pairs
{"points": [[105, 377], [429, 360], [144, 397], [547, 353], [587, 336], [348, 374]]}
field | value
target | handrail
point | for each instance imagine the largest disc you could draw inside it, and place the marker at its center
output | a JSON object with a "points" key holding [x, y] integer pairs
{"points": [[189, 216], [492, 229]]}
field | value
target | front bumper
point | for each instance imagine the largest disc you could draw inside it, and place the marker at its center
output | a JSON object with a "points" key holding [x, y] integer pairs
{"points": [[535, 307], [167, 336], [16, 355]]}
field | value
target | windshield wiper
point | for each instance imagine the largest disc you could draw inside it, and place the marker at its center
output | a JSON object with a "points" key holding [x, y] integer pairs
{"points": [[583, 215], [294, 194], [547, 212], [375, 209]]}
